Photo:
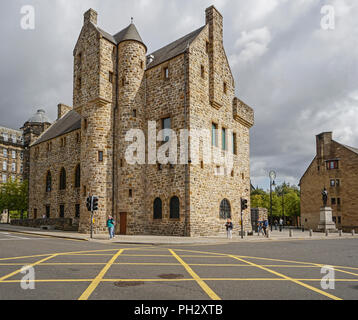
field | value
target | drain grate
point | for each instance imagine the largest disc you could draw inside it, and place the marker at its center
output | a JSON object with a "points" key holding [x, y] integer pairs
{"points": [[123, 284], [171, 276]]}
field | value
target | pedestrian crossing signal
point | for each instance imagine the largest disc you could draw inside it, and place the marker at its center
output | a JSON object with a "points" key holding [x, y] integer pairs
{"points": [[89, 204]]}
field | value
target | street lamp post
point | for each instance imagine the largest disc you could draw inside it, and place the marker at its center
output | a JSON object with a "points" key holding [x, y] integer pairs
{"points": [[272, 183]]}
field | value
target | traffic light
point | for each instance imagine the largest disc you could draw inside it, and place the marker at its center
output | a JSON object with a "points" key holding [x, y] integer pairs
{"points": [[95, 204], [89, 204], [243, 204]]}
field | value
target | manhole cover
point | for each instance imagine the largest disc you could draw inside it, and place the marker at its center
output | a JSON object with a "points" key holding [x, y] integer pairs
{"points": [[171, 276], [123, 284]]}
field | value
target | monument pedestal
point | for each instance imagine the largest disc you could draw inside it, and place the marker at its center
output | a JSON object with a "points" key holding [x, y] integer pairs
{"points": [[326, 222]]}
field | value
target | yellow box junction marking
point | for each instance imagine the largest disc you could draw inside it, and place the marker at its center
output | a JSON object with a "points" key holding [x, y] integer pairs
{"points": [[200, 282], [99, 277]]}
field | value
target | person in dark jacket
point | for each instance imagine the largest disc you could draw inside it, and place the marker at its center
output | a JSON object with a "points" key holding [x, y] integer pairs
{"points": [[229, 226]]}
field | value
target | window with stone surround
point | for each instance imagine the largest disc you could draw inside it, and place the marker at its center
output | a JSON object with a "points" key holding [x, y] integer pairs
{"points": [[214, 134], [48, 211], [202, 71], [174, 208], [130, 194], [4, 165], [225, 209], [224, 139], [157, 209], [141, 64], [78, 176], [166, 73], [100, 156], [62, 211], [332, 165], [48, 182], [166, 126], [77, 210], [63, 179], [225, 87], [110, 76], [333, 201], [234, 143], [5, 153], [13, 167]]}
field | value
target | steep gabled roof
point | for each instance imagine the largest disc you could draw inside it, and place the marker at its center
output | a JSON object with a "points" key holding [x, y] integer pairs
{"points": [[68, 123], [355, 150], [173, 49]]}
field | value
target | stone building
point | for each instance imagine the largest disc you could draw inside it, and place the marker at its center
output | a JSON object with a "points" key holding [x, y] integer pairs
{"points": [[15, 152], [118, 87], [335, 167]]}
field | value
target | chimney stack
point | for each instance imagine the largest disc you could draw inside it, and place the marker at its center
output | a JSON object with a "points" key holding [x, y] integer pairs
{"points": [[323, 143], [62, 109], [90, 16]]}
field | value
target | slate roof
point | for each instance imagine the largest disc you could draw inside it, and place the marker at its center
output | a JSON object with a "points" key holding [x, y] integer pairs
{"points": [[355, 150], [173, 49], [68, 123], [129, 33]]}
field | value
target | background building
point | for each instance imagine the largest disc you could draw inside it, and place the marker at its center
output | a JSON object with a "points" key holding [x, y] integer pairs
{"points": [[335, 167], [187, 84]]}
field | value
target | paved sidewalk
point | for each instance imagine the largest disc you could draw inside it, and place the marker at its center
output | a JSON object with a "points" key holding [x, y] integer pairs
{"points": [[164, 240]]}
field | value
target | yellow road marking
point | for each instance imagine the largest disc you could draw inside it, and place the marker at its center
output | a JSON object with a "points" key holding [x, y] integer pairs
{"points": [[200, 282], [178, 280], [289, 278], [29, 265], [86, 294]]}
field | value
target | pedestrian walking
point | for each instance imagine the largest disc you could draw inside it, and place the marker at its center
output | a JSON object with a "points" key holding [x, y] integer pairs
{"points": [[276, 224], [281, 224], [265, 226], [229, 226], [259, 228], [110, 226]]}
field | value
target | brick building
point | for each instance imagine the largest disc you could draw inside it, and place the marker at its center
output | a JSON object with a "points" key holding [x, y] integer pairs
{"points": [[117, 87], [335, 167]]}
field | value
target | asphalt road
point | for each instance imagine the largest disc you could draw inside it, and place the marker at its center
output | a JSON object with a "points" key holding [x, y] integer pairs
{"points": [[70, 270]]}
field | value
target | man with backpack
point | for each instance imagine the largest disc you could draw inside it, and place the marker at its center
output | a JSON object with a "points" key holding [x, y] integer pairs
{"points": [[110, 226], [229, 226]]}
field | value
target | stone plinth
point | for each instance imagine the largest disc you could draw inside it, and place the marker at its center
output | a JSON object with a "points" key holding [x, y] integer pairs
{"points": [[326, 221], [3, 216]]}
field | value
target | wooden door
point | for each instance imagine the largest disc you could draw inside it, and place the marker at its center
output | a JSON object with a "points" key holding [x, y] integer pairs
{"points": [[123, 223]]}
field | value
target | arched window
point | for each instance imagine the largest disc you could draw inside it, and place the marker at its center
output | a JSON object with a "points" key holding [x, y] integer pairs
{"points": [[78, 177], [225, 209], [174, 208], [48, 182], [63, 179], [157, 209]]}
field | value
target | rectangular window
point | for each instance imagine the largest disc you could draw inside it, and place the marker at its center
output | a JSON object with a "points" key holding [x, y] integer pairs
{"points": [[334, 219], [13, 167], [14, 138], [5, 153], [130, 193], [111, 77], [4, 166], [5, 136], [207, 47], [234, 143], [77, 211], [223, 136], [214, 134], [333, 183], [100, 156], [166, 72], [338, 201], [35, 213], [333, 201], [166, 126], [134, 113], [332, 165], [13, 153], [62, 211], [202, 72], [225, 87], [4, 178], [338, 183], [339, 220]]}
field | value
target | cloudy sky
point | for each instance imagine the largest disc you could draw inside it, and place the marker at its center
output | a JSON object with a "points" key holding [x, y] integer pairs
{"points": [[300, 79]]}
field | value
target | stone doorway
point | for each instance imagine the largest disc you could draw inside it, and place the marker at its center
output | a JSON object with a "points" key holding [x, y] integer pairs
{"points": [[121, 223]]}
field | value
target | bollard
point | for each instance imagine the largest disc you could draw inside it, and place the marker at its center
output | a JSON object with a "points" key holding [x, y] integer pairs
{"points": [[311, 233], [353, 232], [268, 233], [340, 233], [327, 232], [290, 232]]}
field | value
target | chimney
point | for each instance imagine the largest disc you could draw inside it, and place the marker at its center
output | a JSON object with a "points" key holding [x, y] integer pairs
{"points": [[214, 20], [62, 109], [90, 16], [323, 143]]}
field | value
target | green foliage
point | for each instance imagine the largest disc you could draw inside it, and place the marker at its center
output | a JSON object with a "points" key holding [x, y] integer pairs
{"points": [[14, 196], [285, 199]]}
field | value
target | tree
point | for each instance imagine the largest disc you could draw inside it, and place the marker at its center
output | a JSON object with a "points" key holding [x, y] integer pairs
{"points": [[14, 196]]}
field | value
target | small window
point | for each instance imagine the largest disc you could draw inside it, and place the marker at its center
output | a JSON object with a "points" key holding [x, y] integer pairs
{"points": [[225, 87], [338, 183], [79, 82], [77, 210], [80, 59], [141, 64], [130, 193], [202, 71], [333, 183], [35, 213], [78, 176], [78, 137], [85, 124], [333, 201], [110, 77], [223, 137], [234, 143], [339, 220], [134, 113], [332, 165], [166, 72], [121, 163], [63, 179], [100, 156], [214, 134], [166, 125], [334, 219], [338, 201], [123, 82], [160, 167], [207, 46], [48, 182], [202, 164]]}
